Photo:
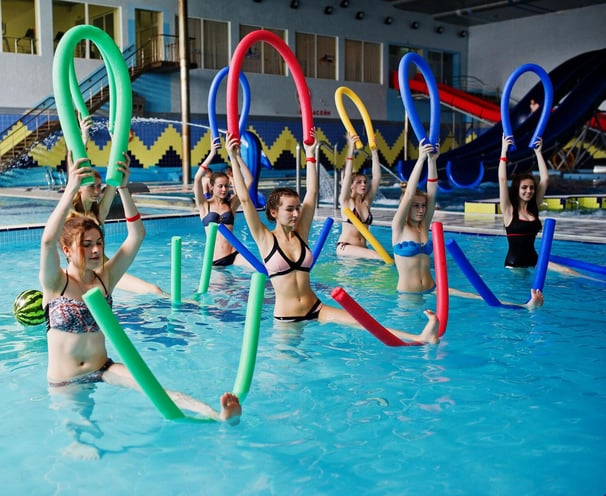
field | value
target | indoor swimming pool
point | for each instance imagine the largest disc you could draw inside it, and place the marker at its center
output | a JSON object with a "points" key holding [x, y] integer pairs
{"points": [[509, 402]]}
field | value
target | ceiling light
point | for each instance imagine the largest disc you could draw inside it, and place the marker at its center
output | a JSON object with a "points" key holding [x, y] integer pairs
{"points": [[414, 25], [344, 3], [463, 34], [360, 15], [440, 29], [294, 4], [328, 10], [388, 20]]}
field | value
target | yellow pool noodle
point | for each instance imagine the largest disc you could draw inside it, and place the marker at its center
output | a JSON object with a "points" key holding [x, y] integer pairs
{"points": [[368, 235]]}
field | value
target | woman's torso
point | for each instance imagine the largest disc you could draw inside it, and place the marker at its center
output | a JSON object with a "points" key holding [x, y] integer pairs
{"points": [[412, 259], [350, 233], [220, 213], [76, 345], [288, 264], [521, 234]]}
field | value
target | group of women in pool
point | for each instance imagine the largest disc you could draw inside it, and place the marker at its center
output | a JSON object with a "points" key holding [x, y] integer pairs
{"points": [[76, 347]]}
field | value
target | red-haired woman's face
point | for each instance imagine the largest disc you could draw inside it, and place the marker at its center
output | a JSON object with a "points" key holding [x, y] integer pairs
{"points": [[86, 253]]}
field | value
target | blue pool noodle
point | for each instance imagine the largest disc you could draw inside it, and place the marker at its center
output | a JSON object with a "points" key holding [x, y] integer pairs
{"points": [[547, 103], [543, 260], [409, 104], [322, 239], [245, 252], [578, 264], [212, 102], [473, 277]]}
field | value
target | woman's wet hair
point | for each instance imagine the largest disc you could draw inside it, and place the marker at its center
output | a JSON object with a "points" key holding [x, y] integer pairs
{"points": [[275, 198], [73, 231]]}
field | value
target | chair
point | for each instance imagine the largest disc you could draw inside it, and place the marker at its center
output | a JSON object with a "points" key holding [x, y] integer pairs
{"points": [[30, 35]]}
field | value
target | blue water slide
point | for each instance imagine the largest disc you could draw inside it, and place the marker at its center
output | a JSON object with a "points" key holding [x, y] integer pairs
{"points": [[578, 87]]}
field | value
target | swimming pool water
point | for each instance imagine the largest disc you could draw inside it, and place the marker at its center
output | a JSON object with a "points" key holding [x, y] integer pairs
{"points": [[510, 402]]}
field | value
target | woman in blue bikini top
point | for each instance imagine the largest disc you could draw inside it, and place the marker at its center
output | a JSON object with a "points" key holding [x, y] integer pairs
{"points": [[410, 227], [220, 207]]}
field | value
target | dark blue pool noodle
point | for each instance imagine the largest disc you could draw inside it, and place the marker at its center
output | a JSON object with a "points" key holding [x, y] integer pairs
{"points": [[245, 252], [322, 239], [409, 104], [474, 184], [578, 264], [212, 102], [540, 270], [546, 107], [473, 277]]}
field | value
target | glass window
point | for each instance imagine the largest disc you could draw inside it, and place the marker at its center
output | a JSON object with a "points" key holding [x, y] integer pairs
{"points": [[363, 61], [353, 60], [306, 53], [441, 64], [327, 50], [372, 63], [261, 57], [317, 55], [19, 26], [395, 55], [216, 44], [103, 18], [69, 14]]}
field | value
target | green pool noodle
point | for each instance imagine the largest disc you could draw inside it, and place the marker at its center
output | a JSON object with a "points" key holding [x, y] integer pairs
{"points": [[120, 91], [250, 340], [110, 326], [175, 272], [207, 263]]}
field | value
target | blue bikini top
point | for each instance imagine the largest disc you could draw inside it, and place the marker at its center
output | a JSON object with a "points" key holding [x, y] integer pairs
{"points": [[224, 218], [412, 248]]}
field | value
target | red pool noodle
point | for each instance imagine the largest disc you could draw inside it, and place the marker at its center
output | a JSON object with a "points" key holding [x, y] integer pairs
{"points": [[366, 320], [439, 257], [292, 63]]}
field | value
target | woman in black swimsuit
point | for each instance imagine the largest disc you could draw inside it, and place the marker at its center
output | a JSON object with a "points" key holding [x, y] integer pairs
{"points": [[520, 207], [357, 197], [220, 208]]}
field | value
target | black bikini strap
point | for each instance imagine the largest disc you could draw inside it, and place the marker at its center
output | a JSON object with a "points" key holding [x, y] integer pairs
{"points": [[101, 281], [66, 282]]}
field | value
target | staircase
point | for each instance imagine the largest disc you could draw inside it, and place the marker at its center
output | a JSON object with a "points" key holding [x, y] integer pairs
{"points": [[42, 121]]}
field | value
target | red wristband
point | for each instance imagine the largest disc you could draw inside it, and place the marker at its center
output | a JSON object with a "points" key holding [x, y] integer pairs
{"points": [[310, 159], [133, 219], [432, 180], [350, 158], [503, 159]]}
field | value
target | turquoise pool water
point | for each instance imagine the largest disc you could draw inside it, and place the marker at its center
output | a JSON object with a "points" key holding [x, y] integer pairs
{"points": [[510, 402]]}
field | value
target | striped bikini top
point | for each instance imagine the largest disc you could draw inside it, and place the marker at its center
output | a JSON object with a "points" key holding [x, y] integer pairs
{"points": [[71, 315]]}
